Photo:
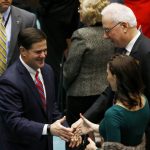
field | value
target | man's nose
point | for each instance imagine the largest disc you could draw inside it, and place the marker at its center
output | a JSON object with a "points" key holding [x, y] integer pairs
{"points": [[43, 54]]}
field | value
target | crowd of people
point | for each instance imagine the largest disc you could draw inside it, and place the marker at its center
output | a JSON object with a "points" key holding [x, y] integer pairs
{"points": [[92, 57]]}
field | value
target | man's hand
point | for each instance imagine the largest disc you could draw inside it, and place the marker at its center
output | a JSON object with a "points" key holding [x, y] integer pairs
{"points": [[75, 141], [58, 129]]}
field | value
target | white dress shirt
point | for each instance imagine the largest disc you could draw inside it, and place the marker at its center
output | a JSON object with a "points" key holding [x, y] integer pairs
{"points": [[8, 27], [32, 73], [131, 43]]}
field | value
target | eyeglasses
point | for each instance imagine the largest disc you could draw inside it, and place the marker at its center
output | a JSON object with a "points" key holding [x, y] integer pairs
{"points": [[107, 30]]}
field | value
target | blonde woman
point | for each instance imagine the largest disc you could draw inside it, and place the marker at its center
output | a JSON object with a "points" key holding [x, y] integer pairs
{"points": [[84, 70]]}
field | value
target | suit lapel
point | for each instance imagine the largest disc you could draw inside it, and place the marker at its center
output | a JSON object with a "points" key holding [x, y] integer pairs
{"points": [[47, 90], [135, 50], [30, 83], [16, 22]]}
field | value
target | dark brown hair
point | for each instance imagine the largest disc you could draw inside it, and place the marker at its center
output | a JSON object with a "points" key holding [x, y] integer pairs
{"points": [[28, 36], [129, 80]]}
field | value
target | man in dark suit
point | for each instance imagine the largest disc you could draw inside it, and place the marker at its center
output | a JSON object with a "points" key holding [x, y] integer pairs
{"points": [[15, 19], [27, 100], [120, 26]]}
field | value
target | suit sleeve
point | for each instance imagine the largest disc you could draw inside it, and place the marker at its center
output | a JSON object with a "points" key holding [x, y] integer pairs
{"points": [[146, 74], [96, 112], [12, 113]]}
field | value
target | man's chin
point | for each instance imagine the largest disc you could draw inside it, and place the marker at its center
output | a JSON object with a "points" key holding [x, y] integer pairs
{"points": [[41, 65], [4, 8]]}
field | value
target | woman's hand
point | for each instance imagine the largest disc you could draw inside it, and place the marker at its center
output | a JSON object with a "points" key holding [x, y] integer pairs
{"points": [[86, 126]]}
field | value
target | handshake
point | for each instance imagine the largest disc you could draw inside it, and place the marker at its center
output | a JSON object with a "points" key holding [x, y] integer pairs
{"points": [[73, 134]]}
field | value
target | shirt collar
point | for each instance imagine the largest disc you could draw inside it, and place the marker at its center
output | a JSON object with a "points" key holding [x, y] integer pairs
{"points": [[6, 13], [132, 42], [30, 70]]}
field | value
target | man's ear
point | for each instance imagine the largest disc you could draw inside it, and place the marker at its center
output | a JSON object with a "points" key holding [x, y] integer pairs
{"points": [[125, 26], [115, 77], [22, 50]]}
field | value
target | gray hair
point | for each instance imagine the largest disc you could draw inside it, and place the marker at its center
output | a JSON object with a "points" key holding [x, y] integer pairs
{"points": [[120, 13]]}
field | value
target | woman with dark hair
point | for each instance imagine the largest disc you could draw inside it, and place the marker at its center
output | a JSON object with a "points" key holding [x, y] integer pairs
{"points": [[125, 122], [128, 84]]}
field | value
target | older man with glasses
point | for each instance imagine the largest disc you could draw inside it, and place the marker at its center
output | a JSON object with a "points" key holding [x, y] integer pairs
{"points": [[120, 26], [108, 30]]}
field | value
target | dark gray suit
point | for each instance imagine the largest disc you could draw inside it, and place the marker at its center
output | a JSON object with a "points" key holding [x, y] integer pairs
{"points": [[20, 19]]}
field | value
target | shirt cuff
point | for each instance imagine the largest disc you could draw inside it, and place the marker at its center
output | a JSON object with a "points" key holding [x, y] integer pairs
{"points": [[45, 129]]}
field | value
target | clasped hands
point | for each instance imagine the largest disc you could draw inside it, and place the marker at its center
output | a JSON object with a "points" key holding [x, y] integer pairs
{"points": [[73, 134], [83, 127]]}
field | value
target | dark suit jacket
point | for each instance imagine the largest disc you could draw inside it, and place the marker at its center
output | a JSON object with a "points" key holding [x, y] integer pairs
{"points": [[140, 51], [20, 19], [22, 115]]}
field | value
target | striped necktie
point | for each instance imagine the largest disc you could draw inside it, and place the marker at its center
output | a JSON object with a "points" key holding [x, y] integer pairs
{"points": [[40, 88], [3, 64]]}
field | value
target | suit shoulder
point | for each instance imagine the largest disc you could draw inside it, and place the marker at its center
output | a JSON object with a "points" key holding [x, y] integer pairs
{"points": [[20, 11], [48, 68], [144, 44], [11, 75], [87, 32], [144, 40]]}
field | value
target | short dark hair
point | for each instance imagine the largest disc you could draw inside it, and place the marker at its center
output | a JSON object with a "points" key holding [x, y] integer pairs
{"points": [[28, 36], [129, 79]]}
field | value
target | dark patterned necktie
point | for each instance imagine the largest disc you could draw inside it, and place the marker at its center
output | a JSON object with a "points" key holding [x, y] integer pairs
{"points": [[40, 88], [124, 51], [3, 64]]}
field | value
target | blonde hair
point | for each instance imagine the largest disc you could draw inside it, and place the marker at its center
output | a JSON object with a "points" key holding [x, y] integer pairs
{"points": [[90, 11]]}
